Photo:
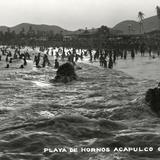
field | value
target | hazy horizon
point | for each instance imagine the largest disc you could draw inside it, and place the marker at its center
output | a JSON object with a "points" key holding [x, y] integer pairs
{"points": [[74, 14]]}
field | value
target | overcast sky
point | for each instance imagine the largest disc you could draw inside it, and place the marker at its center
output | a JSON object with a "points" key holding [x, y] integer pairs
{"points": [[74, 14]]}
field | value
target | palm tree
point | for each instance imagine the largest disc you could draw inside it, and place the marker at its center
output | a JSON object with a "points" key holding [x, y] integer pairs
{"points": [[141, 18], [158, 14]]}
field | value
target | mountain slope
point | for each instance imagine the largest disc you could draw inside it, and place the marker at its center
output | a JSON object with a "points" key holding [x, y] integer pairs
{"points": [[128, 26], [149, 24], [43, 27], [124, 27]]}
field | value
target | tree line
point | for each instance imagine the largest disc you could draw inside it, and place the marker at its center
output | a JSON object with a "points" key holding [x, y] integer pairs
{"points": [[30, 37]]}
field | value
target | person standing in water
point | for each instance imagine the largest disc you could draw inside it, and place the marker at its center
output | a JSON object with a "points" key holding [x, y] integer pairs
{"points": [[37, 59], [150, 51], [125, 54], [45, 60], [91, 56], [114, 57], [25, 61], [7, 58], [56, 65], [132, 54], [110, 63], [101, 60]]}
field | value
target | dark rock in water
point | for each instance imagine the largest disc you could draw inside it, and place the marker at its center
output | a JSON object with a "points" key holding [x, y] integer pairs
{"points": [[65, 73], [153, 99]]}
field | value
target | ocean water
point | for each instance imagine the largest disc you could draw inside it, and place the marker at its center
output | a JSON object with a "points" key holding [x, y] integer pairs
{"points": [[103, 109], [141, 67]]}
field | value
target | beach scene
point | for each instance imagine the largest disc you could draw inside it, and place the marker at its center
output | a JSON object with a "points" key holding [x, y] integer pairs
{"points": [[83, 94]]}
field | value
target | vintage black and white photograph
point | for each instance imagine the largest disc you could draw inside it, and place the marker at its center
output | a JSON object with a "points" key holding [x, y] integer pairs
{"points": [[79, 79]]}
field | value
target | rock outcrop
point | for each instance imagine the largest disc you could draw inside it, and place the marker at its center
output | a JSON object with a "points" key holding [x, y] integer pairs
{"points": [[65, 73], [153, 99]]}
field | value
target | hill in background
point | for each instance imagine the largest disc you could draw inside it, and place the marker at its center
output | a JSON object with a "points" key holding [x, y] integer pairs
{"points": [[150, 24], [43, 27]]}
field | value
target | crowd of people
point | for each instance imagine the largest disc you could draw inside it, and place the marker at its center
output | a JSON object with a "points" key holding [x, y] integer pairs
{"points": [[42, 56]]}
